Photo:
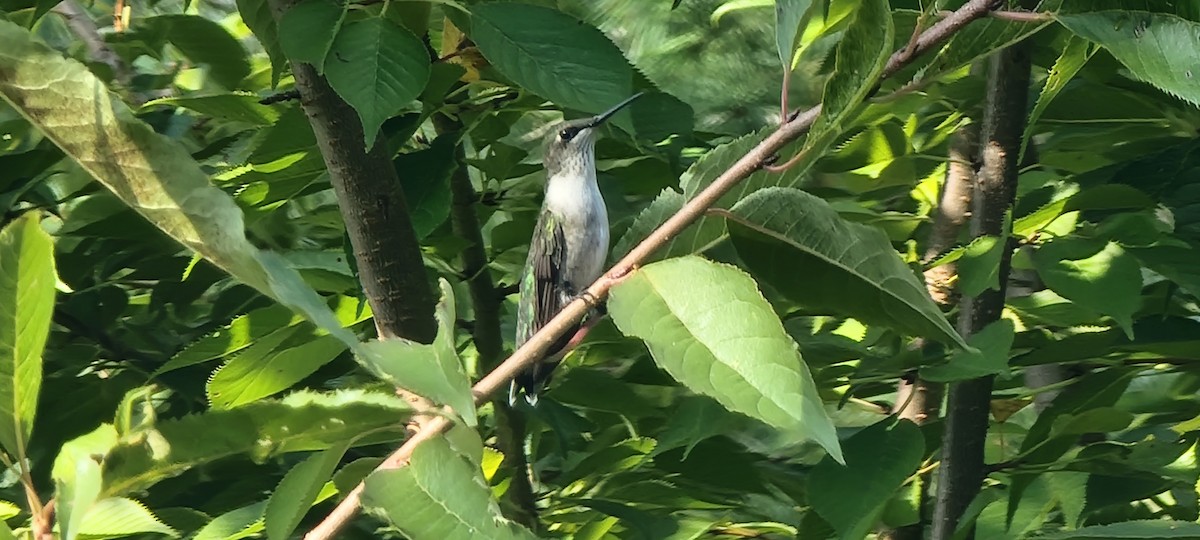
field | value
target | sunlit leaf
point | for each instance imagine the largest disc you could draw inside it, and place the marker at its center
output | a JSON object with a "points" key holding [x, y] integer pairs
{"points": [[27, 292], [298, 490], [709, 327], [438, 495], [1098, 276], [861, 55]]}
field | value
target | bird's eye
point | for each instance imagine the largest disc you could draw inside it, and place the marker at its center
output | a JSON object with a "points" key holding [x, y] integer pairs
{"points": [[567, 134]]}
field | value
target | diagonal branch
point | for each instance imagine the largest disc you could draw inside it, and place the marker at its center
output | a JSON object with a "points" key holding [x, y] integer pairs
{"points": [[536, 346]]}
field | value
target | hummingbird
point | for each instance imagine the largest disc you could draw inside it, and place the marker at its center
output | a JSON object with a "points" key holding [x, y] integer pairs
{"points": [[569, 245]]}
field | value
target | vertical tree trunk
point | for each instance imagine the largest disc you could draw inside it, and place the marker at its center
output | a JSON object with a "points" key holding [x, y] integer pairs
{"points": [[1005, 110]]}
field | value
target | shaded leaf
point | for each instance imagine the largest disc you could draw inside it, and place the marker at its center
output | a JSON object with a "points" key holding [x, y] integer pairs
{"points": [[800, 245], [438, 495], [1096, 275], [1157, 47], [709, 327], [257, 16], [298, 490], [425, 178], [204, 42], [27, 279], [988, 355], [307, 31], [789, 16], [696, 238], [979, 269], [240, 523], [552, 54], [878, 461], [379, 68], [1142, 529], [236, 107]]}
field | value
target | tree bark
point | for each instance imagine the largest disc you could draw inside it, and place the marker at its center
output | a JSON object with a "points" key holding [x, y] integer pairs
{"points": [[961, 473], [918, 400], [388, 255]]}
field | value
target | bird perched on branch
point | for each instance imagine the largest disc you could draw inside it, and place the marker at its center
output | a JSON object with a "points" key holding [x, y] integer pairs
{"points": [[569, 245]]}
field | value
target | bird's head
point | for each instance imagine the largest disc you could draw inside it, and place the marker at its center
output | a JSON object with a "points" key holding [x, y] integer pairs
{"points": [[570, 146]]}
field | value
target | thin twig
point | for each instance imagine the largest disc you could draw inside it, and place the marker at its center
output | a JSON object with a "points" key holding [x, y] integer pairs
{"points": [[536, 346], [1015, 16]]}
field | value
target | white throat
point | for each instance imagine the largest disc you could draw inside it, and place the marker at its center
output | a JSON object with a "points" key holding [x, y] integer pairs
{"points": [[575, 196]]}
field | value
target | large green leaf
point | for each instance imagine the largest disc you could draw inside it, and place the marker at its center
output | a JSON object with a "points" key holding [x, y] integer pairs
{"points": [[26, 306], [433, 370], [116, 517], [379, 68], [1158, 48], [307, 31], [298, 490], [552, 54], [267, 370], [878, 460], [709, 327], [204, 41], [1133, 530], [438, 495], [861, 55], [1097, 275], [303, 421], [800, 245], [152, 174], [988, 355]]}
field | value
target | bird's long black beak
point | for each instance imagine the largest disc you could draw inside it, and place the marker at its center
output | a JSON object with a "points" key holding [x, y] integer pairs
{"points": [[604, 116]]}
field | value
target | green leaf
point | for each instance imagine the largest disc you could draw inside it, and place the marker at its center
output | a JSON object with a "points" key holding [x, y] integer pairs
{"points": [[27, 278], [861, 56], [789, 16], [298, 490], [1098, 276], [979, 269], [243, 522], [552, 54], [307, 31], [438, 495], [257, 16], [235, 107], [204, 42], [1074, 55], [117, 516], [847, 268], [150, 173], [303, 421], [988, 356], [709, 327], [696, 238], [878, 461], [379, 68], [425, 178], [1156, 47], [696, 419], [1133, 530], [264, 371], [75, 495], [434, 370]]}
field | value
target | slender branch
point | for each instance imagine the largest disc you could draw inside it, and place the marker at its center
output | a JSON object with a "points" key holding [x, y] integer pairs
{"points": [[963, 471], [84, 28], [572, 313], [1015, 16]]}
